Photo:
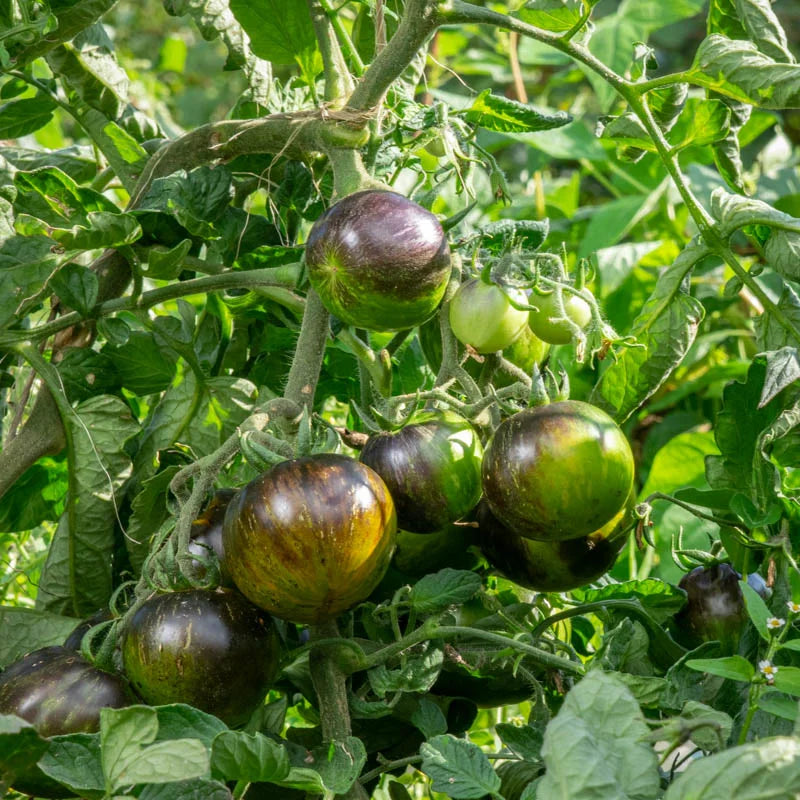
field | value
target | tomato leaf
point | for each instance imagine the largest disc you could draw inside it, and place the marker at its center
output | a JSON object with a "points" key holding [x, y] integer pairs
{"points": [[429, 718], [524, 740], [445, 588], [557, 16], [458, 768], [193, 789], [77, 286], [418, 674], [22, 117], [179, 721], [661, 600], [20, 746], [502, 114], [734, 668], [26, 629], [74, 761], [252, 757]]}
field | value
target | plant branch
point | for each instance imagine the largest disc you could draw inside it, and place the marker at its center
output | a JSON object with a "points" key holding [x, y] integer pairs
{"points": [[338, 80], [307, 363]]}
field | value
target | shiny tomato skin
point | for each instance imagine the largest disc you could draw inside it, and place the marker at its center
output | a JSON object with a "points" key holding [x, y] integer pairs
{"points": [[482, 317], [310, 538], [553, 566], [559, 471], [557, 331], [379, 261], [209, 649], [432, 467], [207, 533]]}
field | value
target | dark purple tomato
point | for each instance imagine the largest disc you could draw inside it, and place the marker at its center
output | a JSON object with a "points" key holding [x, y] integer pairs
{"points": [[207, 532], [58, 691], [74, 640], [378, 261], [310, 538], [559, 471], [210, 649], [553, 566], [714, 607], [432, 467]]}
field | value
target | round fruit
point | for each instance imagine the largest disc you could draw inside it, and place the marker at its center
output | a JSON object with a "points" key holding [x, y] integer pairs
{"points": [[546, 322], [559, 471], [58, 692], [378, 261], [210, 649], [482, 316], [432, 467], [553, 566], [75, 639], [310, 538], [207, 533]]}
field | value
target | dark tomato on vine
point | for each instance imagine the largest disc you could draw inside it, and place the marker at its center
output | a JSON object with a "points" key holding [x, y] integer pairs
{"points": [[432, 467], [310, 538], [58, 692], [559, 471], [482, 316], [546, 321], [210, 649], [206, 535], [379, 261], [74, 640], [556, 566]]}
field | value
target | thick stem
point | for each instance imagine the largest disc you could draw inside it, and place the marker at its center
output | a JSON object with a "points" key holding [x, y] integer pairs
{"points": [[338, 81], [304, 374]]}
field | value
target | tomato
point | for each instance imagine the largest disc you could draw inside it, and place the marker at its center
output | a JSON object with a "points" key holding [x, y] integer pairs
{"points": [[210, 649], [545, 322], [74, 640], [310, 538], [432, 467], [58, 692], [482, 316], [559, 471], [378, 261], [207, 533], [420, 553], [553, 566], [525, 351]]}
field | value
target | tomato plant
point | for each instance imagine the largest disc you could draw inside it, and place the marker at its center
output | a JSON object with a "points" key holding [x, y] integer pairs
{"points": [[553, 324]]}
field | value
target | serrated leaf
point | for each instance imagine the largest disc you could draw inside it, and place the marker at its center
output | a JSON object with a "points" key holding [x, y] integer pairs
{"points": [[701, 122], [75, 761], [179, 721], [524, 740], [497, 113], [458, 768], [557, 16], [662, 600], [770, 332], [252, 757], [764, 28], [338, 763], [167, 264], [77, 286], [783, 369], [104, 229], [734, 668], [442, 589], [22, 117], [528, 234], [418, 673]]}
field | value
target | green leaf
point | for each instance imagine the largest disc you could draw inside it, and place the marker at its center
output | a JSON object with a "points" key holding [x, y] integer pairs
{"points": [[738, 70], [666, 327], [25, 629], [338, 764], [418, 673], [129, 757], [458, 768], [179, 721], [279, 32], [770, 333], [557, 16], [701, 122], [727, 151], [525, 233], [442, 589], [724, 17], [716, 735], [610, 222], [765, 770], [105, 229], [787, 680], [22, 117], [167, 264], [252, 757], [193, 789], [780, 706], [667, 103], [429, 718], [734, 668], [20, 746], [764, 29], [38, 495], [144, 367], [75, 761], [77, 286], [524, 740], [99, 467], [594, 746], [497, 113], [662, 600], [26, 262]]}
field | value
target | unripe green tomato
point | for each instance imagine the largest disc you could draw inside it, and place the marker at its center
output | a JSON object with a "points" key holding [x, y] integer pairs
{"points": [[545, 324], [482, 317]]}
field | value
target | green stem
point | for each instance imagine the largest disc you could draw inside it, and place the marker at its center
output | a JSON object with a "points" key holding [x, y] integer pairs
{"points": [[301, 384], [378, 369], [271, 277], [338, 80], [344, 38]]}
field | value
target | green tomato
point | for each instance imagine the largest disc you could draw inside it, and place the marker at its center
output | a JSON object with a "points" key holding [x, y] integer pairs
{"points": [[545, 324], [482, 317]]}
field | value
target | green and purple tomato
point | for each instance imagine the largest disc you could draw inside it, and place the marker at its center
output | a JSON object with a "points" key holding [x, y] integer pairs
{"points": [[210, 649], [482, 317], [206, 534], [556, 566], [547, 322], [559, 471], [310, 538], [432, 467], [378, 261]]}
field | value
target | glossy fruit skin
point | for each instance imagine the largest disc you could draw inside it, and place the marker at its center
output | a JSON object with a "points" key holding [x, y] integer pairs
{"points": [[552, 330], [559, 471], [207, 533], [74, 640], [310, 538], [210, 649], [58, 691], [432, 467], [378, 261], [714, 607], [553, 566], [482, 317]]}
